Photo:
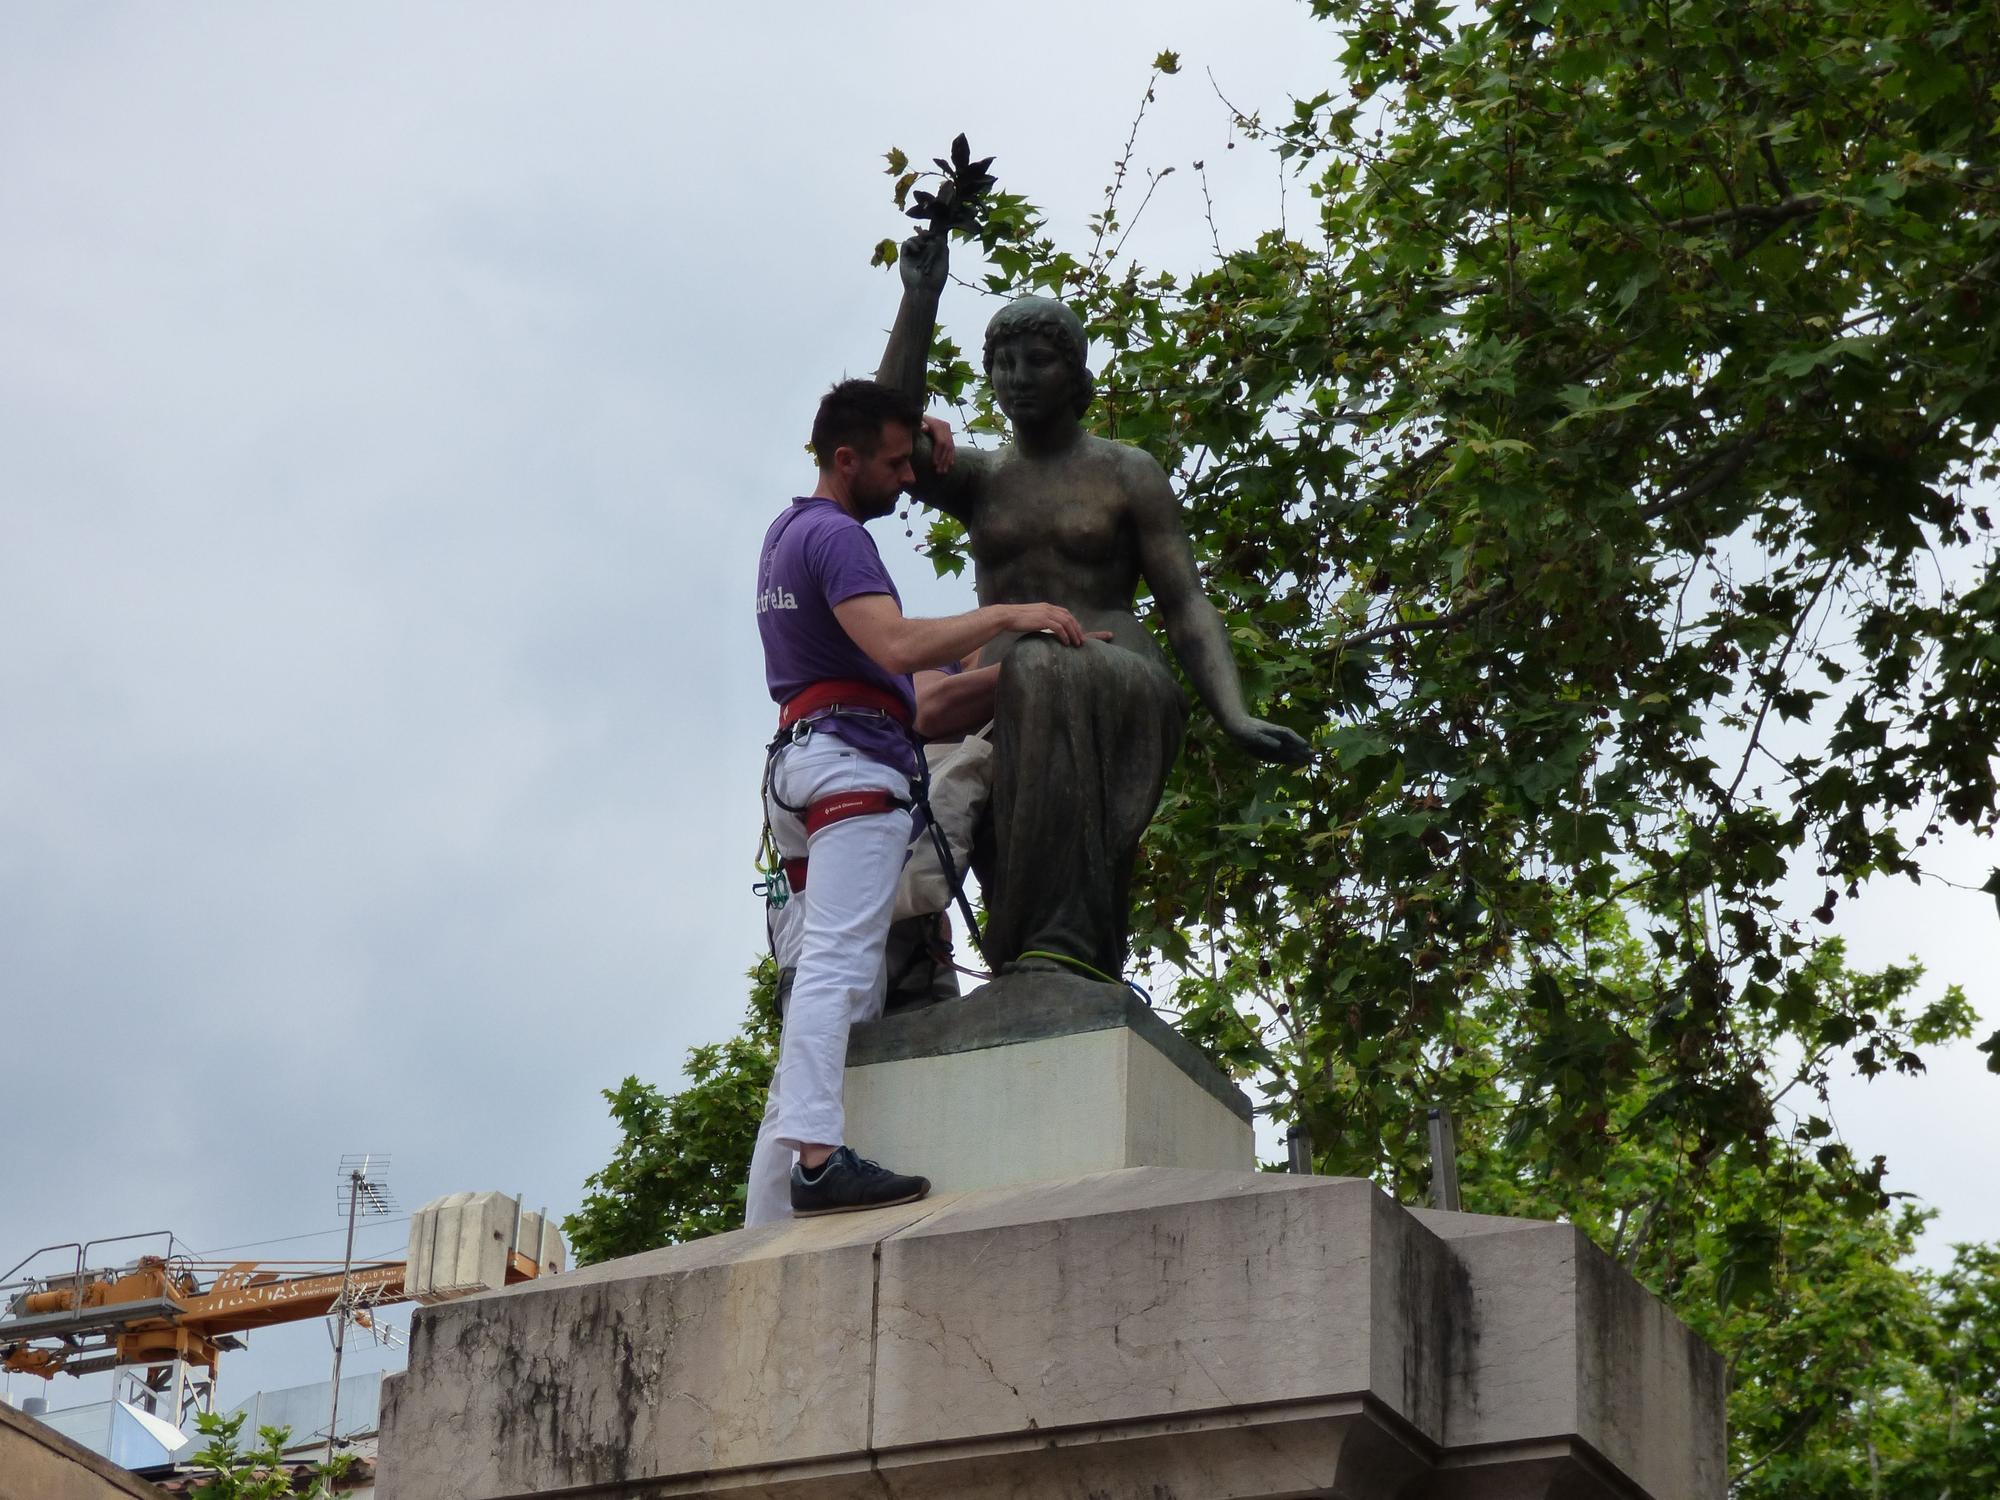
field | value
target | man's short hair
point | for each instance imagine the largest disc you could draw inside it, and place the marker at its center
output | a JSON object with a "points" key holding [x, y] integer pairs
{"points": [[852, 415]]}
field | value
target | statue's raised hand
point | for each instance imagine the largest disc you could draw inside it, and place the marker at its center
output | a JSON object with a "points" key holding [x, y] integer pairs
{"points": [[1269, 741], [924, 260]]}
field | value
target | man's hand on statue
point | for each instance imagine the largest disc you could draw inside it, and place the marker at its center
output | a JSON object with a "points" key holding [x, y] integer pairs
{"points": [[1269, 741], [924, 261], [939, 432], [1057, 621]]}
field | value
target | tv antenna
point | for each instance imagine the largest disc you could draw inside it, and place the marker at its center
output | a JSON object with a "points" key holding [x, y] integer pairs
{"points": [[362, 1192]]}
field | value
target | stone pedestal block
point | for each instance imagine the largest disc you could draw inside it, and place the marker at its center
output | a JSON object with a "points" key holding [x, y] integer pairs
{"points": [[1570, 1346], [1039, 1076], [1129, 1335]]}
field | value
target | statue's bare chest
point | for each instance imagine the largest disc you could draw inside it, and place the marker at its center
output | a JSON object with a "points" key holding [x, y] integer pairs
{"points": [[1044, 513]]}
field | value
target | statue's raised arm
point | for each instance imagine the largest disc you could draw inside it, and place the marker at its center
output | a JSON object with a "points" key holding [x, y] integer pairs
{"points": [[925, 263]]}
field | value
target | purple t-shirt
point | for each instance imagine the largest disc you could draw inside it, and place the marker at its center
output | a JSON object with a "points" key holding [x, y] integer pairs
{"points": [[816, 556]]}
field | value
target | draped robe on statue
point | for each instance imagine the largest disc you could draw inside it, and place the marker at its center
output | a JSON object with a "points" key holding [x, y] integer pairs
{"points": [[1083, 741]]}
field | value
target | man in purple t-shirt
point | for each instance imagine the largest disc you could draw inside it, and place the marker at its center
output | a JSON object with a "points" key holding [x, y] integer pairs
{"points": [[838, 654]]}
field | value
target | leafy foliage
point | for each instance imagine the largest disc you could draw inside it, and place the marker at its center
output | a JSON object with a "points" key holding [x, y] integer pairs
{"points": [[1597, 470], [681, 1161], [1598, 474], [262, 1473], [1846, 1367], [956, 207], [963, 184]]}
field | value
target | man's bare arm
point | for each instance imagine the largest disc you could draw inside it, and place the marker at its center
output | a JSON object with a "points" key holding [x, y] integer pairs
{"points": [[953, 704], [950, 704], [1192, 624], [898, 644]]}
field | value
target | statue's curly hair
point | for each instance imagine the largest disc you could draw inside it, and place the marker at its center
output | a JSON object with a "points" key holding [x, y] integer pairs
{"points": [[1055, 322]]}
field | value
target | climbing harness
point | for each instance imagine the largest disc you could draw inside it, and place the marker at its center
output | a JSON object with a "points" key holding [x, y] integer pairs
{"points": [[800, 715], [784, 878], [797, 718]]}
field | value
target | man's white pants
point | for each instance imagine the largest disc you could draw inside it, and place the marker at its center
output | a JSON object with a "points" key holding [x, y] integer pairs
{"points": [[833, 933]]}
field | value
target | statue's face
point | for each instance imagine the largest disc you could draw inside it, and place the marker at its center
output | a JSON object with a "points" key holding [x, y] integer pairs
{"points": [[1031, 379]]}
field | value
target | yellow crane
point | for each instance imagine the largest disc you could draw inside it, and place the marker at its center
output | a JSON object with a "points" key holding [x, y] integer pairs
{"points": [[161, 1313]]}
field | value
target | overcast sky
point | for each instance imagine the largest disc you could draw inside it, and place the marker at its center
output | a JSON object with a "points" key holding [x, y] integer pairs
{"points": [[391, 400]]}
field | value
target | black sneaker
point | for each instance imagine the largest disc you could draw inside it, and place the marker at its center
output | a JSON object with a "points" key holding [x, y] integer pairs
{"points": [[848, 1182]]}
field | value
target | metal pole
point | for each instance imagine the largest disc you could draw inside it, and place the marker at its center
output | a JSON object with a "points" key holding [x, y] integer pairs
{"points": [[1299, 1151], [1444, 1162], [340, 1311]]}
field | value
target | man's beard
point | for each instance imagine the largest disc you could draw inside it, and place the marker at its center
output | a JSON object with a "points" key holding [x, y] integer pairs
{"points": [[868, 507]]}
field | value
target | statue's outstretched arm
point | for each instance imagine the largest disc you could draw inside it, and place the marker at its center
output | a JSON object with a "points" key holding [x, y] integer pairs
{"points": [[924, 262], [1193, 627]]}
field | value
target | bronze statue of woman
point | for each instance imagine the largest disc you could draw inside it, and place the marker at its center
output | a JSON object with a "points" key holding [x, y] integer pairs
{"points": [[1083, 739]]}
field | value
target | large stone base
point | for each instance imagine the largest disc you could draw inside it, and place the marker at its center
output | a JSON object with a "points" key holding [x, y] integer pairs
{"points": [[1039, 1076], [1148, 1333]]}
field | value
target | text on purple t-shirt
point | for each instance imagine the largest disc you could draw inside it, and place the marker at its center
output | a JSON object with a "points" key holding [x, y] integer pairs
{"points": [[816, 556]]}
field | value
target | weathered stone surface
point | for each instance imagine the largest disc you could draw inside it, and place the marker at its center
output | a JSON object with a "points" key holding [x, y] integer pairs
{"points": [[746, 1350], [39, 1463], [1037, 1007], [1152, 1294], [1147, 1333], [1036, 1077], [1169, 1125], [1555, 1469], [1558, 1341], [1338, 1448]]}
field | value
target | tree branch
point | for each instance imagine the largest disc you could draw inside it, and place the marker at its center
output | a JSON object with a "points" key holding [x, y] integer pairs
{"points": [[1630, 1259], [1799, 206], [1435, 622], [1778, 672], [1733, 460], [1091, 264], [1791, 1436], [1778, 179]]}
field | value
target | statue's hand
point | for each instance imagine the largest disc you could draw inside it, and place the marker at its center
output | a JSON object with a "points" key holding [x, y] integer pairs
{"points": [[924, 260], [1269, 741]]}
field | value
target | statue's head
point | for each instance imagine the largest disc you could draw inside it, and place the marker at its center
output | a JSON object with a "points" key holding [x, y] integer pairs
{"points": [[1039, 347]]}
